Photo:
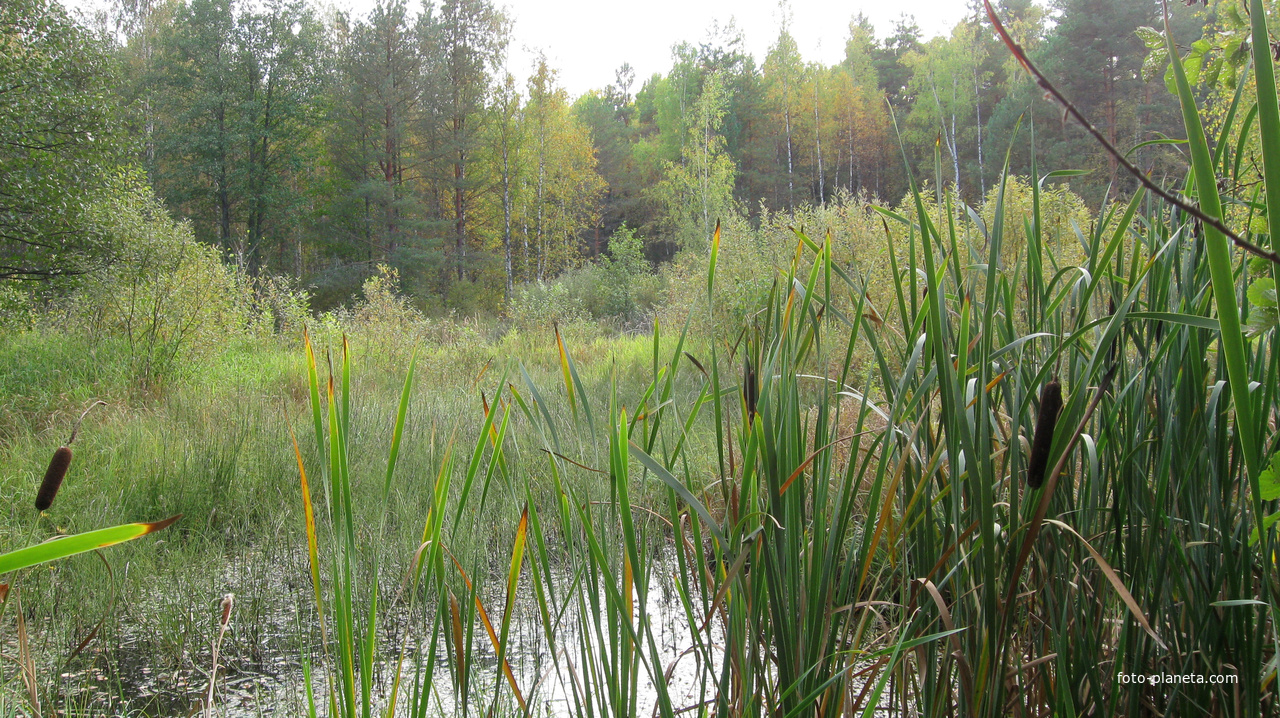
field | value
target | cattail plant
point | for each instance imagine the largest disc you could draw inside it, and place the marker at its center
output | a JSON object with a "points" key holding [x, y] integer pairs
{"points": [[750, 389], [228, 601], [1050, 407], [58, 466]]}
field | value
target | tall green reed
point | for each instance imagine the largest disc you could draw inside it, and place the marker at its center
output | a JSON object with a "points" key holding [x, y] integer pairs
{"points": [[838, 496]]}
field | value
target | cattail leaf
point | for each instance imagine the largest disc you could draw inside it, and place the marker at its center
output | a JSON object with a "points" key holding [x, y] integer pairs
{"points": [[1217, 250], [313, 386], [517, 561], [540, 405], [493, 634], [1077, 173], [309, 516], [628, 588], [564, 370], [65, 546], [513, 582], [1188, 320], [1240, 602], [1268, 114], [581, 391], [455, 618], [682, 491], [711, 264], [1115, 581], [398, 433]]}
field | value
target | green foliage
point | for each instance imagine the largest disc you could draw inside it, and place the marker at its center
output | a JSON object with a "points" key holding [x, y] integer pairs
{"points": [[60, 142], [540, 304], [947, 77], [232, 117], [279, 307], [171, 298], [71, 545], [1264, 315], [697, 190], [1269, 479], [619, 276], [618, 287], [561, 188]]}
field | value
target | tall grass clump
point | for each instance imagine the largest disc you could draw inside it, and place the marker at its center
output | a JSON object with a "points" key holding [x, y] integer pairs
{"points": [[349, 623], [1033, 490], [1043, 467]]}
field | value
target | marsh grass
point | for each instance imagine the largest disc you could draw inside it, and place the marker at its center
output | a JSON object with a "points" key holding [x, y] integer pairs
{"points": [[921, 568]]}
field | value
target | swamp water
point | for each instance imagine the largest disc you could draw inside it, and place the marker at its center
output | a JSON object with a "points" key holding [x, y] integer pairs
{"points": [[261, 674]]}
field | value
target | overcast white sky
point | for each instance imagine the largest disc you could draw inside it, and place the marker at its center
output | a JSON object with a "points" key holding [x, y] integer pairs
{"points": [[587, 40]]}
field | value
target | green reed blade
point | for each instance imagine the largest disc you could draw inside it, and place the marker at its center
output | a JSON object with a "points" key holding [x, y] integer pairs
{"points": [[65, 546]]}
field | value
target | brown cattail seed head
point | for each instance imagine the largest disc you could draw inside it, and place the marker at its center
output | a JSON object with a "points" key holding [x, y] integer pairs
{"points": [[53, 477], [1115, 343], [1050, 406], [750, 391], [227, 602]]}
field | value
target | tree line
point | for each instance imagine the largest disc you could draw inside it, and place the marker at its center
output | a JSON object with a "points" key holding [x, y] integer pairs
{"points": [[317, 144]]}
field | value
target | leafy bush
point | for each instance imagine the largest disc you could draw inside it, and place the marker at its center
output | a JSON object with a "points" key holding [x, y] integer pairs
{"points": [[618, 286], [171, 297], [540, 304], [751, 258], [384, 307], [16, 308], [279, 307]]}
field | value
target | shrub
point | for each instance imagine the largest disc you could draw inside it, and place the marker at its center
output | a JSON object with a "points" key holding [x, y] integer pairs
{"points": [[540, 304], [171, 297], [618, 286], [384, 307], [278, 307], [17, 309]]}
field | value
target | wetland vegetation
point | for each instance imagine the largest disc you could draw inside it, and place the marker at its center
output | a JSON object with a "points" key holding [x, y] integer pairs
{"points": [[957, 453]]}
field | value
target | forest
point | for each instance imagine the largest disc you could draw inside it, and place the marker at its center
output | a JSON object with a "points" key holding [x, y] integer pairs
{"points": [[351, 367], [305, 143]]}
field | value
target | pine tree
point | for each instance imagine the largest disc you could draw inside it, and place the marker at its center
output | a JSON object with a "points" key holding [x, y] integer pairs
{"points": [[374, 107], [472, 36]]}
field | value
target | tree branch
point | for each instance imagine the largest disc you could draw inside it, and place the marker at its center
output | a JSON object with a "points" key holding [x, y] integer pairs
{"points": [[1119, 156]]}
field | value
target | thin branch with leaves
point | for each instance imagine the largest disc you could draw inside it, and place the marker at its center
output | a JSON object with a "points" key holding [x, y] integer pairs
{"points": [[1111, 149]]}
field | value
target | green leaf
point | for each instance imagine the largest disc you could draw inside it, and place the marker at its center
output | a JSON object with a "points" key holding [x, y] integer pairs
{"points": [[1269, 479], [1262, 293], [1154, 62], [71, 545], [1267, 522], [1150, 37], [1063, 173], [1261, 321], [681, 491], [1264, 315]]}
